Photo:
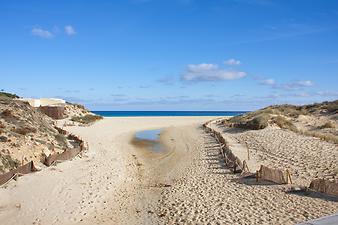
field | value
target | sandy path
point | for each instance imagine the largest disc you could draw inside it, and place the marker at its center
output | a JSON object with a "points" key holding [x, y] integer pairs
{"points": [[306, 157], [210, 194], [101, 187]]}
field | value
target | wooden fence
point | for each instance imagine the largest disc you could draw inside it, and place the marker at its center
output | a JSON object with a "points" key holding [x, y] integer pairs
{"points": [[232, 161], [49, 160], [24, 169], [275, 175], [325, 186]]}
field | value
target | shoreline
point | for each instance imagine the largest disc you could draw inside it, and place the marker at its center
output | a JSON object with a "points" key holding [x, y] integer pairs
{"points": [[145, 117]]}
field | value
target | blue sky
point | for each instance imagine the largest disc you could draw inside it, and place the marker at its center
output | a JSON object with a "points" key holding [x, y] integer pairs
{"points": [[171, 55]]}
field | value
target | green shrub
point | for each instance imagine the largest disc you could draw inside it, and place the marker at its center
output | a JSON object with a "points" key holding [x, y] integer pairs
{"points": [[76, 105], [254, 120], [7, 95], [8, 162], [291, 111], [86, 119], [332, 107], [237, 119], [258, 122], [61, 139], [284, 123]]}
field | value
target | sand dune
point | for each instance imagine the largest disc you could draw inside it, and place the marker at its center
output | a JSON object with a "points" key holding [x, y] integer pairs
{"points": [[116, 182]]}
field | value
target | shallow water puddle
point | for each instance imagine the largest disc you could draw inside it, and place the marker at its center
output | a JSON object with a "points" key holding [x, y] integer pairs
{"points": [[149, 139], [150, 135]]}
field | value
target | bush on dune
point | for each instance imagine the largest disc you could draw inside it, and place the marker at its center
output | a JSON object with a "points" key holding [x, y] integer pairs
{"points": [[258, 122], [325, 137], [283, 115], [86, 119], [6, 95], [285, 123], [253, 121]]}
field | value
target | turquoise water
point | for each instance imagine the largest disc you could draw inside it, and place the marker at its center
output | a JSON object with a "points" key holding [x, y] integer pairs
{"points": [[149, 135], [167, 113]]}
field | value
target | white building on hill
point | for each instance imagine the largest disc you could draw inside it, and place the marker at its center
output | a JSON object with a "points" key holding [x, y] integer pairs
{"points": [[43, 101]]}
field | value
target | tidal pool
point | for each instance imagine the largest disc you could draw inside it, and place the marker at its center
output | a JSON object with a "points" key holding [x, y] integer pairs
{"points": [[149, 139]]}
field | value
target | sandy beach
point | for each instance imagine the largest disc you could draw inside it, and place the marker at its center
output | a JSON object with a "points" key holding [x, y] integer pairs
{"points": [[115, 182], [106, 185], [144, 112]]}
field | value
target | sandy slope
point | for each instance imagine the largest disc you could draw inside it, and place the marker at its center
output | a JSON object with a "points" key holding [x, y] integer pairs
{"points": [[306, 157], [207, 193], [106, 185]]}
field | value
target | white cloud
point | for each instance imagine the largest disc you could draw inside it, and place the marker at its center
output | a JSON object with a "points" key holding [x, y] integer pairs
{"points": [[287, 86], [42, 33], [209, 72], [327, 93], [70, 30], [301, 94], [268, 82], [296, 85], [232, 62], [304, 83]]}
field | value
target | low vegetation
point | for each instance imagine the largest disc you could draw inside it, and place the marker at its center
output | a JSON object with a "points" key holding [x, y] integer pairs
{"points": [[61, 139], [253, 121], [76, 105], [7, 163], [27, 134], [25, 130], [5, 95], [323, 136], [284, 123], [258, 122], [21, 126], [86, 119], [327, 125], [288, 117]]}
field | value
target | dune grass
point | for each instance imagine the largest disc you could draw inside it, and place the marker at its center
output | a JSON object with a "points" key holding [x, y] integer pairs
{"points": [[5, 95], [284, 123], [86, 119]]}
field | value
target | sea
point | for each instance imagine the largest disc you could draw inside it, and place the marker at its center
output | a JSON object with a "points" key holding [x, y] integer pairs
{"points": [[166, 113]]}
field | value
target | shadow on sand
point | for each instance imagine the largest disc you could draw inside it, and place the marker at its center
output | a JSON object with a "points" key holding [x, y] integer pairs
{"points": [[313, 194]]}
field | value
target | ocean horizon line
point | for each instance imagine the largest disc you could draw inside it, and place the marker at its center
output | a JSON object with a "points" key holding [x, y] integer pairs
{"points": [[136, 113]]}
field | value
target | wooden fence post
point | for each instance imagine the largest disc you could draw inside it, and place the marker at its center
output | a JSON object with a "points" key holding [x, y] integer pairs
{"points": [[247, 148], [288, 175]]}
